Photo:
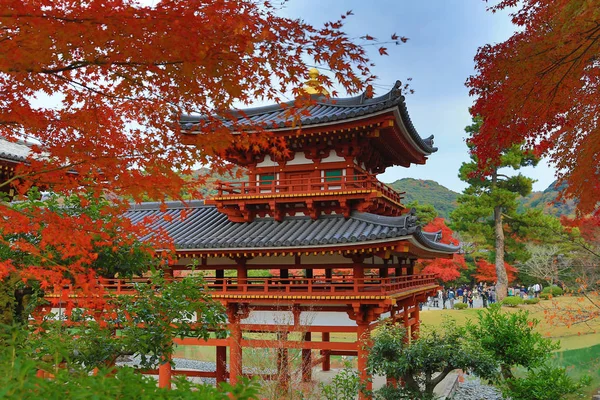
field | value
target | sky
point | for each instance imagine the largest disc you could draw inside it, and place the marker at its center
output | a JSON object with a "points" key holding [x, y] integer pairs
{"points": [[443, 39]]}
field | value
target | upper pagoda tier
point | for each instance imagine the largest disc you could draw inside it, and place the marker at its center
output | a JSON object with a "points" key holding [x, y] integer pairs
{"points": [[334, 147], [375, 133]]}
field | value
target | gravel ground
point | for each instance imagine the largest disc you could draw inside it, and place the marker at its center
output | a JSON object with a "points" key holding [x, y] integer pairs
{"points": [[473, 389]]}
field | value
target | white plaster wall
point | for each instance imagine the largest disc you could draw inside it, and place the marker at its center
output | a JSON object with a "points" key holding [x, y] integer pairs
{"points": [[299, 159], [267, 162]]}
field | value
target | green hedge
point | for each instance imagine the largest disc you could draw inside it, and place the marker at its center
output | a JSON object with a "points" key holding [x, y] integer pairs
{"points": [[545, 296], [532, 301], [460, 306], [512, 301], [553, 290]]}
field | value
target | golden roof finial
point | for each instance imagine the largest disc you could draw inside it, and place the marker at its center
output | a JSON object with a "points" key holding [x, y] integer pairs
{"points": [[312, 84]]}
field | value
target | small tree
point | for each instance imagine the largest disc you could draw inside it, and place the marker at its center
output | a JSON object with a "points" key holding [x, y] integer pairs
{"points": [[511, 338], [426, 361]]}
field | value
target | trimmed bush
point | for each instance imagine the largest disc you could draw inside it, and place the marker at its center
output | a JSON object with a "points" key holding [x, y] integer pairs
{"points": [[532, 301], [545, 296], [512, 301], [460, 306], [553, 290]]}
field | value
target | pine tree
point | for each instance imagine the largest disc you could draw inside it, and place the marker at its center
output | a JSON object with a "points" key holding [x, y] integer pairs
{"points": [[488, 199]]}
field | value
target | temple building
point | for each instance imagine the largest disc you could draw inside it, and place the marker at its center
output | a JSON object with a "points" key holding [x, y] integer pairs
{"points": [[341, 246], [11, 155]]}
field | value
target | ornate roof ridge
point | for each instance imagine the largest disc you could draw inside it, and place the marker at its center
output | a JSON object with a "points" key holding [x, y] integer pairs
{"points": [[326, 110]]}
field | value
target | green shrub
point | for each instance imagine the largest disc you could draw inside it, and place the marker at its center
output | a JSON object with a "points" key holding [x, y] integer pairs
{"points": [[535, 300], [460, 306], [545, 296], [545, 383], [512, 301], [344, 385], [553, 290]]}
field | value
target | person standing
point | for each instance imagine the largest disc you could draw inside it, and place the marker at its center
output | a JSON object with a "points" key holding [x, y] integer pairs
{"points": [[470, 298], [451, 297], [537, 288], [484, 298], [445, 298]]}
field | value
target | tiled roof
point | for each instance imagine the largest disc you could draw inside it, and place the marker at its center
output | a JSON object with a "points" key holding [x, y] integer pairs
{"points": [[326, 111], [13, 151], [205, 228]]}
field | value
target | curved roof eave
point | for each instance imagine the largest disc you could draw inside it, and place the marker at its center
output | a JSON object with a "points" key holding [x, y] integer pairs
{"points": [[332, 111]]}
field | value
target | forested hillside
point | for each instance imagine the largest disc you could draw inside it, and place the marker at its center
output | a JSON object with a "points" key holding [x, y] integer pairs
{"points": [[427, 192], [545, 200]]}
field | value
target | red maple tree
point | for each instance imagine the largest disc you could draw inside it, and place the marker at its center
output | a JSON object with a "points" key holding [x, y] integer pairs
{"points": [[486, 271], [99, 86], [541, 87], [444, 269]]}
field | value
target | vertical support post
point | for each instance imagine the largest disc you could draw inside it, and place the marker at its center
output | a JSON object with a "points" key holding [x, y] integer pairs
{"points": [[328, 273], [308, 273], [220, 275], [410, 268], [383, 271], [414, 329], [307, 360], [283, 369], [325, 337], [284, 274], [405, 323], [242, 275], [164, 374], [363, 334], [235, 344], [359, 276], [221, 358]]}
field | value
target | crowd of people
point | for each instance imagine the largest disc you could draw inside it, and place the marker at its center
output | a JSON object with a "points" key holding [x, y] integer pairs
{"points": [[447, 297]]}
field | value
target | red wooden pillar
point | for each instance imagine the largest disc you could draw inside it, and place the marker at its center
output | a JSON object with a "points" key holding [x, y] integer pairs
{"points": [[363, 334], [414, 329], [242, 275], [164, 374], [235, 344], [326, 353], [221, 358], [405, 323], [283, 368], [307, 360], [410, 268]]}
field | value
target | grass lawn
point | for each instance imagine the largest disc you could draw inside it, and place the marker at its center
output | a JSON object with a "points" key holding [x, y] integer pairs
{"points": [[580, 342], [547, 312]]}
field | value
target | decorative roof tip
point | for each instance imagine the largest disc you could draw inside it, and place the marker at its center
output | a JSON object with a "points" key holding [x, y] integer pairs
{"points": [[312, 85]]}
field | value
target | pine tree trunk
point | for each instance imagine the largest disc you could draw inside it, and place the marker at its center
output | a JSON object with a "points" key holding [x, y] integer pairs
{"points": [[502, 283]]}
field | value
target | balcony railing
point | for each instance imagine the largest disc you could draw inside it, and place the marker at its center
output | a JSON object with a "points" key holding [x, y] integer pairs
{"points": [[296, 186], [337, 285]]}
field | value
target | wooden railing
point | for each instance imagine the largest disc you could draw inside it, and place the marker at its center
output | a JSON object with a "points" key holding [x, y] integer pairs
{"points": [[307, 186], [336, 285]]}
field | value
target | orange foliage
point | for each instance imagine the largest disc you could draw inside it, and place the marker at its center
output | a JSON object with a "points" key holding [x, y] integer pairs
{"points": [[541, 86], [444, 269], [118, 75], [486, 271]]}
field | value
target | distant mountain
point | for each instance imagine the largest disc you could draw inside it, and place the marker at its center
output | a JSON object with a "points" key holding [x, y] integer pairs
{"points": [[427, 192], [546, 200]]}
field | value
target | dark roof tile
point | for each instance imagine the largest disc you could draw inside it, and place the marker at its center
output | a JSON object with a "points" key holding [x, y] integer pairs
{"points": [[206, 228]]}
